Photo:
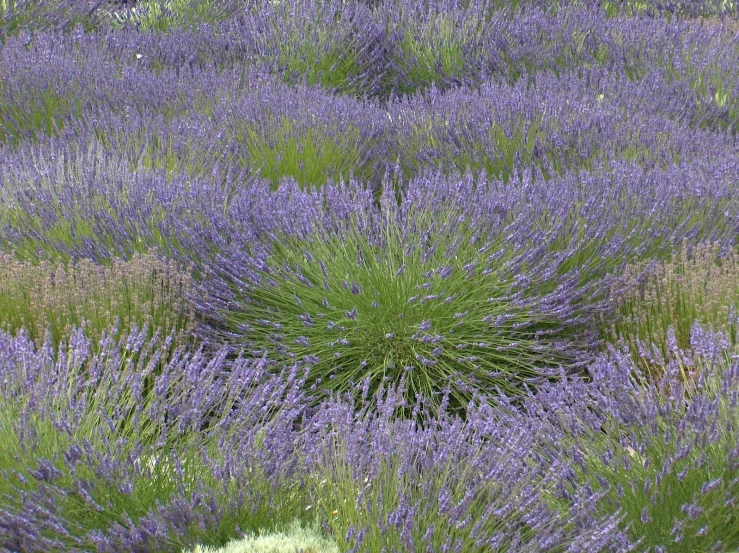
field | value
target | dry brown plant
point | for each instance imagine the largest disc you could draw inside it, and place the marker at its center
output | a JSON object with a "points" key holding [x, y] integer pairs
{"points": [[55, 297], [695, 285]]}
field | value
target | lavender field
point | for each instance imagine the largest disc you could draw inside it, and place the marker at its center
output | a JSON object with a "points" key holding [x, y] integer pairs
{"points": [[384, 276]]}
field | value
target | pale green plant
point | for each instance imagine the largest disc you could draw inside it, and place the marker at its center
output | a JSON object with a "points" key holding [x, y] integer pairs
{"points": [[293, 538]]}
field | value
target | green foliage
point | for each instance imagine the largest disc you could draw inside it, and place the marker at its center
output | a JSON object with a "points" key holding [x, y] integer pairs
{"points": [[507, 148], [311, 155], [510, 146], [417, 302], [318, 48], [162, 15], [716, 98], [38, 112], [18, 16], [319, 62], [431, 54]]}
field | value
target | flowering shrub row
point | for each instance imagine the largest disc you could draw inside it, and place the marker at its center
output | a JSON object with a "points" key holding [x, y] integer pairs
{"points": [[422, 278], [380, 54], [578, 466]]}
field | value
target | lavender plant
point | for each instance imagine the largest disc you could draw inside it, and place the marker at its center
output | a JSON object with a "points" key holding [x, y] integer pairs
{"points": [[161, 16], [347, 308], [431, 289], [445, 486], [42, 113], [95, 459], [19, 17], [663, 453], [309, 155], [326, 43], [441, 44]]}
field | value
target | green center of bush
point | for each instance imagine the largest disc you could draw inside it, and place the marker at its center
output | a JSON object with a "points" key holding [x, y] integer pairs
{"points": [[428, 302]]}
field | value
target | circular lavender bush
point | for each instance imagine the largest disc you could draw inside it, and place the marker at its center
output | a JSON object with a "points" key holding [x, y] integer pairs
{"points": [[424, 295]]}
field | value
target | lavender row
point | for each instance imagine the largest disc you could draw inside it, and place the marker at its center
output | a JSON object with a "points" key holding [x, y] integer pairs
{"points": [[64, 15], [247, 120], [400, 49], [546, 251], [86, 202], [580, 466]]}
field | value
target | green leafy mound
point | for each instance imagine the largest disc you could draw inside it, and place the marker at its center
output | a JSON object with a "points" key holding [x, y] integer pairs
{"points": [[295, 538], [431, 303]]}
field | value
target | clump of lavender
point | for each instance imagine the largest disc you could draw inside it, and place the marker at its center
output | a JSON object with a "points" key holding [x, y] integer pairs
{"points": [[448, 485], [332, 43], [93, 459], [443, 45], [664, 454], [282, 149], [424, 290]]}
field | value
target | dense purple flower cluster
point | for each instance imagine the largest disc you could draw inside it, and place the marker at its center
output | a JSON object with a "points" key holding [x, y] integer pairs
{"points": [[399, 49], [496, 478], [85, 431], [665, 452]]}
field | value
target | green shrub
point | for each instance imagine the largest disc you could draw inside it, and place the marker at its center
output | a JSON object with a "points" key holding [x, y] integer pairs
{"points": [[421, 300], [295, 538]]}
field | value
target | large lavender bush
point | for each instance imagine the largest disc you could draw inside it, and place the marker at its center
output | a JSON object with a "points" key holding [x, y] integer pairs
{"points": [[341, 288], [95, 459], [662, 453], [448, 485]]}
